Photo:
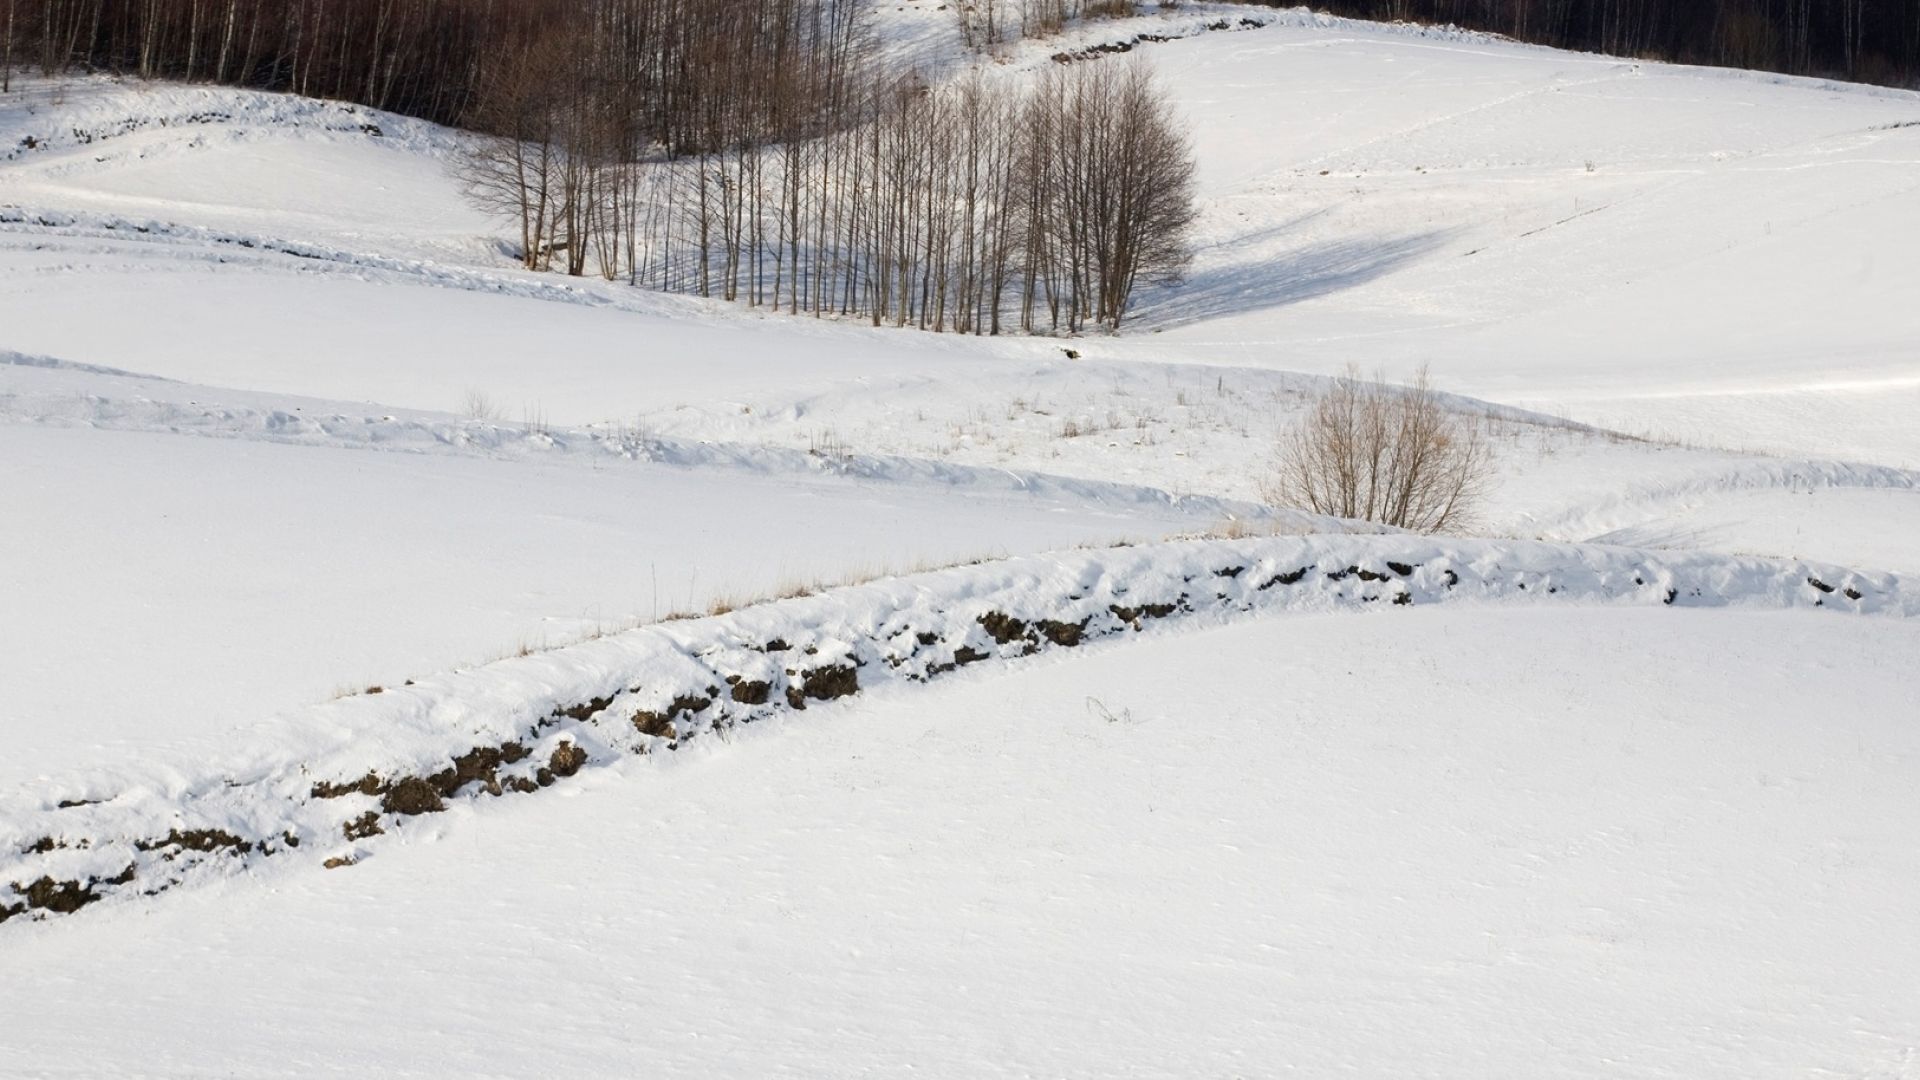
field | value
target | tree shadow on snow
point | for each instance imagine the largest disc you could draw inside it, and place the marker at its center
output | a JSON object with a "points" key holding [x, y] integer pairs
{"points": [[1302, 274]]}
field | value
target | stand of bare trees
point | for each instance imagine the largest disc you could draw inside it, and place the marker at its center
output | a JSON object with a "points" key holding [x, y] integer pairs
{"points": [[428, 58], [973, 208], [749, 150], [573, 110], [412, 56]]}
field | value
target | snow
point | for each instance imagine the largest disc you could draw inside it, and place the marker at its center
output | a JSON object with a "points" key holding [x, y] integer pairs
{"points": [[1696, 254], [1621, 783], [242, 579], [1875, 527], [148, 150], [1444, 842], [310, 778]]}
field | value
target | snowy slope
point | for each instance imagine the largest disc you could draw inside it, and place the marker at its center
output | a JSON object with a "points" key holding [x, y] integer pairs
{"points": [[303, 784], [1437, 843], [229, 159], [270, 253], [1710, 255], [1623, 787], [308, 276], [219, 556]]}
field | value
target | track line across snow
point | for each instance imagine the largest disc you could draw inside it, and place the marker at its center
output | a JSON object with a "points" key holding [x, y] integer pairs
{"points": [[323, 424]]}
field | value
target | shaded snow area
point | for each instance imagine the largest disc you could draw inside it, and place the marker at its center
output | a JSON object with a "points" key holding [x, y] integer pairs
{"points": [[411, 665], [1443, 841]]}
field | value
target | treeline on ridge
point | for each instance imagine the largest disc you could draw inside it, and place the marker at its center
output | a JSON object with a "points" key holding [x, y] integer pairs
{"points": [[754, 150], [428, 58], [1875, 41]]}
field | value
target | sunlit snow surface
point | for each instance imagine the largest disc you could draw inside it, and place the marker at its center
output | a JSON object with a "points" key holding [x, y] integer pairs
{"points": [[279, 421], [1556, 842]]}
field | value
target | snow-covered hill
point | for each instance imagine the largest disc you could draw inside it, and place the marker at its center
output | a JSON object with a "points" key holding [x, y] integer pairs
{"points": [[1715, 256], [1596, 790], [1437, 842]]}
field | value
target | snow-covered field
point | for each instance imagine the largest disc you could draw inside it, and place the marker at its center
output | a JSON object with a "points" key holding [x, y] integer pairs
{"points": [[280, 423], [1435, 843]]}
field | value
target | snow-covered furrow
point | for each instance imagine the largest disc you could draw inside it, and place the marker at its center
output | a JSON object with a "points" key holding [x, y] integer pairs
{"points": [[1596, 519], [328, 780], [90, 115], [595, 447], [929, 41], [1128, 34], [197, 244]]}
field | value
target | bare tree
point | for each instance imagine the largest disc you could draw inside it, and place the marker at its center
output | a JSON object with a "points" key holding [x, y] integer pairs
{"points": [[428, 57], [6, 47], [515, 172], [1377, 452]]}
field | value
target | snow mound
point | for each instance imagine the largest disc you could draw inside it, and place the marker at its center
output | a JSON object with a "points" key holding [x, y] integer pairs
{"points": [[305, 422], [94, 114], [336, 776]]}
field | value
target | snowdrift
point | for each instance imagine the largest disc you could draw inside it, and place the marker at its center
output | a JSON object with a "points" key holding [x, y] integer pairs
{"points": [[340, 775]]}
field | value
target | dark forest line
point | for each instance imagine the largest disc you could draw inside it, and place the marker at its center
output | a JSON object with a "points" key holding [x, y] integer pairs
{"points": [[758, 151], [433, 58], [1872, 41], [755, 151]]}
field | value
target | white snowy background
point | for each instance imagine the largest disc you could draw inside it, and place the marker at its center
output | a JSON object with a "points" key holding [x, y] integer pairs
{"points": [[279, 423]]}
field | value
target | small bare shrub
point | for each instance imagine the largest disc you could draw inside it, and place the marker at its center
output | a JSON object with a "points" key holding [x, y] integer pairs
{"points": [[533, 421], [1377, 452], [481, 407], [830, 446]]}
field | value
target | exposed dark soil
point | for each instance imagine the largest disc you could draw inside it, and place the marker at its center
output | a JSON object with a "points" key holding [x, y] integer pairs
{"points": [[478, 765], [1133, 615], [585, 710], [654, 724], [1291, 577], [1065, 634], [366, 785], [1003, 628], [365, 826], [567, 759], [413, 796], [202, 840], [59, 897], [752, 692], [830, 682]]}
